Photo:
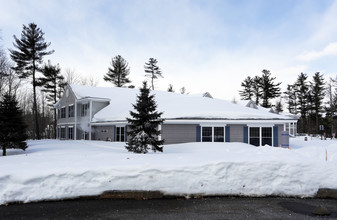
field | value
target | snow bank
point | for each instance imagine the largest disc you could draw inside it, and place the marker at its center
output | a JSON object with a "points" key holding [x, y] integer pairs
{"points": [[53, 169]]}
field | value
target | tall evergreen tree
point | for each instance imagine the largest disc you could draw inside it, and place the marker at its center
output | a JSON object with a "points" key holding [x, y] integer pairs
{"points": [[13, 130], [257, 89], [269, 89], [118, 72], [29, 53], [318, 93], [53, 85], [247, 91], [331, 103], [152, 71], [301, 90], [144, 124], [291, 98]]}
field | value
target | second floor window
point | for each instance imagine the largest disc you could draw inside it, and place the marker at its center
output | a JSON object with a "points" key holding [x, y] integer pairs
{"points": [[63, 112], [71, 111], [84, 110]]}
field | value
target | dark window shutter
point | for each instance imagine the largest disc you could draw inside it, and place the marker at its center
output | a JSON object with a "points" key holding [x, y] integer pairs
{"points": [[198, 133], [227, 133], [275, 136], [245, 134], [115, 133], [126, 133]]}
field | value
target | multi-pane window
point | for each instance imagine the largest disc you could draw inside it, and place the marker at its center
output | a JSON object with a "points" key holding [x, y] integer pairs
{"points": [[207, 134], [120, 134], [63, 112], [254, 133], [63, 132], [218, 134], [84, 110], [260, 136], [71, 111], [70, 133], [210, 134], [267, 136], [58, 113]]}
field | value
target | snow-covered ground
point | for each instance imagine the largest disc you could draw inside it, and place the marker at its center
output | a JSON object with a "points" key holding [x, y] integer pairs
{"points": [[53, 169]]}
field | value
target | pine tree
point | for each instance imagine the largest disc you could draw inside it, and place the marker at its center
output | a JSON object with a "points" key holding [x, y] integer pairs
{"points": [[318, 93], [53, 84], [331, 107], [183, 90], [279, 106], [170, 88], [152, 70], [301, 91], [31, 49], [257, 89], [118, 72], [269, 89], [247, 92], [144, 124], [291, 98], [13, 130]]}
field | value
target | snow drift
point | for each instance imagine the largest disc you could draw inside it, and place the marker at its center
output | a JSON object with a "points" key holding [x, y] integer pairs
{"points": [[53, 169]]}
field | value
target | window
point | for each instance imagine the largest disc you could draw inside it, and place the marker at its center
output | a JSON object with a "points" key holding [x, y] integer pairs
{"points": [[63, 112], [63, 132], [70, 133], [120, 134], [71, 111], [218, 134], [267, 136], [58, 113], [260, 136], [254, 133], [84, 110], [206, 134]]}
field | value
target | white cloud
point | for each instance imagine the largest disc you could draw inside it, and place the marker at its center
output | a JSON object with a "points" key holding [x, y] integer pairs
{"points": [[329, 50]]}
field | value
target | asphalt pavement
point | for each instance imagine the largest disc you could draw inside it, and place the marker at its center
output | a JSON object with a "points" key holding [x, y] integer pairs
{"points": [[174, 208]]}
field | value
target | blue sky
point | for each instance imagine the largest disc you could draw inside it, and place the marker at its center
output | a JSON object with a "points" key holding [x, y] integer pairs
{"points": [[202, 45]]}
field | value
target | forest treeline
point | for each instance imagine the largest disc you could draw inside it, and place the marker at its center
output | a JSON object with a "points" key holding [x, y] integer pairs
{"points": [[313, 100]]}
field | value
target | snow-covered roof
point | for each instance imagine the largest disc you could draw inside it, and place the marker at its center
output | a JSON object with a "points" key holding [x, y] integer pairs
{"points": [[251, 104], [174, 105]]}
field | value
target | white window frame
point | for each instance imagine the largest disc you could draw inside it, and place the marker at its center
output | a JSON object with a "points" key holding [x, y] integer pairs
{"points": [[64, 133], [72, 133], [119, 134], [73, 115], [84, 111], [213, 132], [65, 112], [260, 133]]}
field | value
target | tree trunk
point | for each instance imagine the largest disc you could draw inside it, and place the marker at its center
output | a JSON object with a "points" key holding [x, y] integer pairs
{"points": [[37, 129], [55, 123], [3, 151], [152, 84]]}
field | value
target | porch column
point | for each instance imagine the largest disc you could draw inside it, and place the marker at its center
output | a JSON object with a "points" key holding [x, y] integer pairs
{"points": [[75, 124], [90, 117]]}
